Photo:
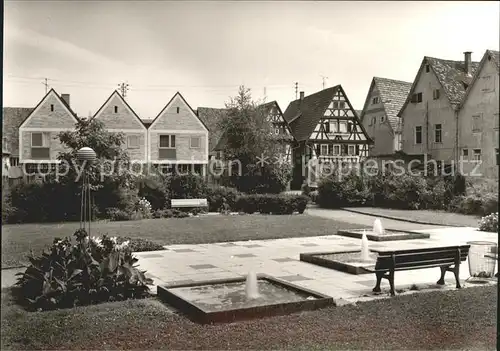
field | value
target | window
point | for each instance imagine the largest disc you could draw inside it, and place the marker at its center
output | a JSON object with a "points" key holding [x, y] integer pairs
{"points": [[349, 127], [418, 135], [330, 149], [427, 68], [375, 100], [374, 120], [167, 141], [14, 161], [51, 107], [178, 109], [326, 126], [133, 142], [416, 98], [382, 119], [342, 104], [352, 150], [477, 154], [335, 104], [496, 120], [40, 140], [333, 127], [218, 155], [343, 127], [465, 154], [435, 94], [336, 149], [116, 109], [476, 123], [194, 142], [437, 133], [324, 149]]}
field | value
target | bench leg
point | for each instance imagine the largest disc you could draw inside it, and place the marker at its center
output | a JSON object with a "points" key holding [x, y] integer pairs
{"points": [[456, 271], [391, 282], [379, 279], [443, 272]]}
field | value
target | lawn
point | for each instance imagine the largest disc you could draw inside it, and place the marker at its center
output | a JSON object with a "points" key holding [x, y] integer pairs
{"points": [[424, 216], [461, 319], [17, 240]]}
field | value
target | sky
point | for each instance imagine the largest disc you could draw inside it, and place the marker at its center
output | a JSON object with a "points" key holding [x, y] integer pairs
{"points": [[206, 49]]}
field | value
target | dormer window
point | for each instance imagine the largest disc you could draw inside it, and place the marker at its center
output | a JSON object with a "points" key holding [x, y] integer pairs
{"points": [[116, 109], [52, 108], [375, 100], [427, 68]]}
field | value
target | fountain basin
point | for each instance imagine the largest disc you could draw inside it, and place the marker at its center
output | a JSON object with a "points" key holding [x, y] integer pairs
{"points": [[344, 261], [225, 301], [389, 235]]}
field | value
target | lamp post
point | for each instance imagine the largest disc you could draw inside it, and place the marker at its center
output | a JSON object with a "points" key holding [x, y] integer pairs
{"points": [[87, 156]]}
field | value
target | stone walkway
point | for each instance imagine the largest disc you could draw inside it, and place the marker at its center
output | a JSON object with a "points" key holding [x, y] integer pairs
{"points": [[180, 264]]}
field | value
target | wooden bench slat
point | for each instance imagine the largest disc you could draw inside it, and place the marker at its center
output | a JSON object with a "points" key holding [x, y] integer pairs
{"points": [[384, 252]]}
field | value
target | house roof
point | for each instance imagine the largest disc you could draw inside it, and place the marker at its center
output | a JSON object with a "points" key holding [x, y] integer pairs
{"points": [[211, 117], [189, 106], [488, 55], [126, 104], [452, 77], [52, 91], [303, 115], [13, 117], [393, 94]]}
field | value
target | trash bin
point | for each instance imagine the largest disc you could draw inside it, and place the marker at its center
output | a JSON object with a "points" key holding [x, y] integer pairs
{"points": [[481, 263]]}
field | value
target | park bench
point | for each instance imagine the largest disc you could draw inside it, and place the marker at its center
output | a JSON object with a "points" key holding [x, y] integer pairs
{"points": [[188, 203], [447, 258]]}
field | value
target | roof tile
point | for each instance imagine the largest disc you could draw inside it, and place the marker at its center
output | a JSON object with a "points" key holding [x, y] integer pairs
{"points": [[12, 119], [393, 94]]}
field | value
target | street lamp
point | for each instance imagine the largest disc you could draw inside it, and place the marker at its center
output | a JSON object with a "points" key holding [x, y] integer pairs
{"points": [[87, 156]]}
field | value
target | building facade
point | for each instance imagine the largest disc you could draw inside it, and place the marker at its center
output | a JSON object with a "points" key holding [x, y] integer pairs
{"points": [[327, 130], [478, 120], [430, 113], [177, 138], [379, 116]]}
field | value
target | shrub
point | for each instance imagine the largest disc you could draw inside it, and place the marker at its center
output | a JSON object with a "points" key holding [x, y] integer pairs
{"points": [[271, 203], [155, 189], [190, 186], [306, 190], [217, 195], [314, 196], [8, 211], [335, 192], [90, 271], [139, 244], [144, 209], [115, 214], [489, 223]]}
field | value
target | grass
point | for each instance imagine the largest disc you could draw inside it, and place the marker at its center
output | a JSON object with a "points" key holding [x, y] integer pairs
{"points": [[460, 319], [425, 216], [17, 240]]}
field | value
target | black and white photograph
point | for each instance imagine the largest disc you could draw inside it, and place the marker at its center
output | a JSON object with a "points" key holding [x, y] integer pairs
{"points": [[250, 175]]}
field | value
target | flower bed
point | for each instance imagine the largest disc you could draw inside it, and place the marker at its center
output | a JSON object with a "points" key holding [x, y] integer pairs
{"points": [[91, 271]]}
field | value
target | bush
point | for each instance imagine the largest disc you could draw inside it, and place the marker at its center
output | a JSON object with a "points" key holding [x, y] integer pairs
{"points": [[140, 245], [217, 195], [306, 190], [271, 203], [115, 214], [155, 189], [314, 196], [144, 209], [190, 186], [335, 192], [489, 223], [90, 271], [8, 211]]}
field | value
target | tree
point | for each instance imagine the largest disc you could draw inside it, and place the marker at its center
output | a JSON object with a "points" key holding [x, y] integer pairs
{"points": [[251, 147], [110, 174]]}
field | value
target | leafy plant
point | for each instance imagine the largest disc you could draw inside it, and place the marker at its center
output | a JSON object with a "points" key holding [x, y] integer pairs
{"points": [[217, 195], [489, 223], [90, 271]]}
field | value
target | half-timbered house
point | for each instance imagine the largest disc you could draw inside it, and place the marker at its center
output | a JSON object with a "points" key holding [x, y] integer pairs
{"points": [[326, 128]]}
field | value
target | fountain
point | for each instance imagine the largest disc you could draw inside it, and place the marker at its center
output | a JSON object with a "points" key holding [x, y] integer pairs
{"points": [[251, 287], [378, 233], [365, 253], [233, 299], [378, 229]]}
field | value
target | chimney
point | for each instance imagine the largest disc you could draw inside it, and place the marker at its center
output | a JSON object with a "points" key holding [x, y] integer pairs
{"points": [[301, 95], [467, 61], [65, 97]]}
